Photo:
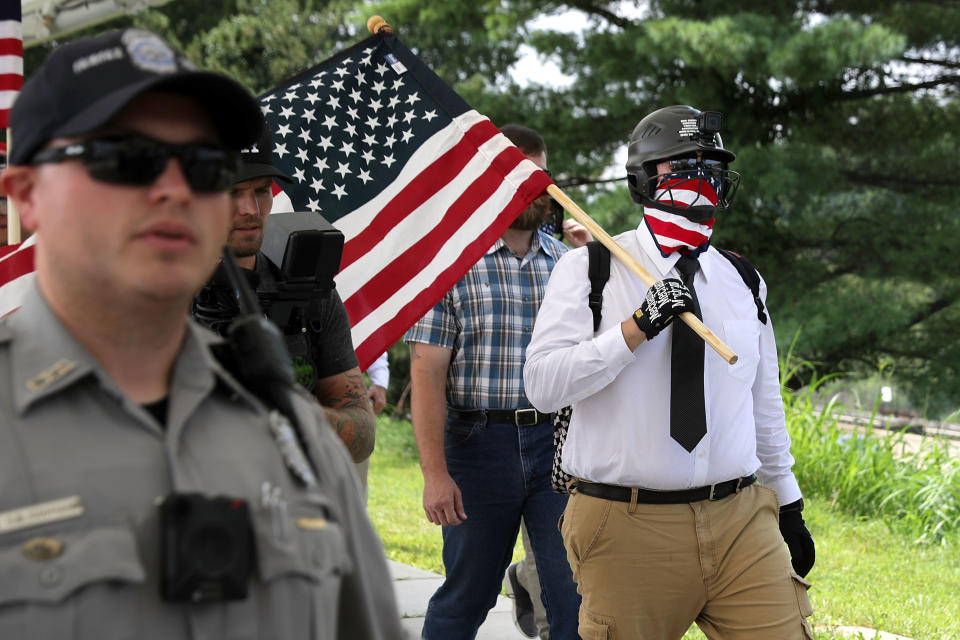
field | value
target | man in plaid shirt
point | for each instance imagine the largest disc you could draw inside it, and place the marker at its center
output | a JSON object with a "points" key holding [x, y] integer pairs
{"points": [[485, 452]]}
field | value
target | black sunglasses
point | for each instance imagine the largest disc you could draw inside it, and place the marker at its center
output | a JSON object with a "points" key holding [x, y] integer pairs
{"points": [[694, 164], [138, 160]]}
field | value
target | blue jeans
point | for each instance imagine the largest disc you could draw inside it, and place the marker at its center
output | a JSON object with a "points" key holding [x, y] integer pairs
{"points": [[503, 472]]}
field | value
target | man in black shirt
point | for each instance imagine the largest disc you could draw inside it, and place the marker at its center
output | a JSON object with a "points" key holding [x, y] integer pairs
{"points": [[322, 350]]}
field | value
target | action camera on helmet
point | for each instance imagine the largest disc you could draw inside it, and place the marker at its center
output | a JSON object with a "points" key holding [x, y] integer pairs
{"points": [[710, 122]]}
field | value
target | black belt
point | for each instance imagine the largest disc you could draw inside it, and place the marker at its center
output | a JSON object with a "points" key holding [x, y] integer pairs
{"points": [[648, 496], [519, 417]]}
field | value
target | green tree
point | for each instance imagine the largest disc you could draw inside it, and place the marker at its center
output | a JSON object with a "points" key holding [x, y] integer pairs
{"points": [[842, 114], [258, 42]]}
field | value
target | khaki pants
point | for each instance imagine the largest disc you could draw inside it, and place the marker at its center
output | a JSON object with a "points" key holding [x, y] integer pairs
{"points": [[646, 572]]}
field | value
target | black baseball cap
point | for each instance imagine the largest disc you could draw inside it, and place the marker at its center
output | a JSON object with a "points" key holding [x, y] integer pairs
{"points": [[257, 161], [84, 83]]}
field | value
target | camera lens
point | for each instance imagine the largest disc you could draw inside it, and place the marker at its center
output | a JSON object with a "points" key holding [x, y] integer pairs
{"points": [[211, 547]]}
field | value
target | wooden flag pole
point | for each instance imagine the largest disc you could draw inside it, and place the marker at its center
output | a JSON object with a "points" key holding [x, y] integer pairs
{"points": [[13, 220], [597, 231], [377, 25]]}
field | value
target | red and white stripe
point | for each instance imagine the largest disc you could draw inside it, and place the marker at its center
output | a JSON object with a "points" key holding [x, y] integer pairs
{"points": [[672, 231], [11, 62], [16, 274], [409, 244]]}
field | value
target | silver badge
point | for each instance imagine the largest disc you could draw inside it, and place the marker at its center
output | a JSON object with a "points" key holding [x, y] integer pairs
{"points": [[149, 52]]}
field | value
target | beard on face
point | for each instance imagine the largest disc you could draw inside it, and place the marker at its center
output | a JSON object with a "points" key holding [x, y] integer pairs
{"points": [[244, 247], [244, 250], [534, 215]]}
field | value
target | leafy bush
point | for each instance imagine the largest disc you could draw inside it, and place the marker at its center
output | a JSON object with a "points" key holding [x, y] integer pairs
{"points": [[869, 473]]}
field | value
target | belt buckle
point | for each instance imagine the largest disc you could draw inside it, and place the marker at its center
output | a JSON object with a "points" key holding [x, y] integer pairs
{"points": [[713, 497], [520, 419]]}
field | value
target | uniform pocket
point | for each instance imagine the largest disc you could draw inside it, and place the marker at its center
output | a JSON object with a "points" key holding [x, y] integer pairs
{"points": [[65, 593], [801, 587], [595, 627], [301, 561], [316, 554]]}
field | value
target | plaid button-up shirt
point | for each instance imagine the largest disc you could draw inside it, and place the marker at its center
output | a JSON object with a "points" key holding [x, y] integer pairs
{"points": [[487, 320]]}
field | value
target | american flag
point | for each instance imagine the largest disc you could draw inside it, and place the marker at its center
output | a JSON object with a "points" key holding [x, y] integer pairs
{"points": [[15, 261], [11, 58], [420, 184], [16, 267]]}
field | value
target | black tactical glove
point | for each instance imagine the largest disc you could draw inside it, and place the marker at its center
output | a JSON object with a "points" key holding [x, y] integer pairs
{"points": [[664, 300], [798, 538]]}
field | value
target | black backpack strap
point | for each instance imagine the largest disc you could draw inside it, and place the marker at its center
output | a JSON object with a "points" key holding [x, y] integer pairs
{"points": [[750, 276], [599, 273]]}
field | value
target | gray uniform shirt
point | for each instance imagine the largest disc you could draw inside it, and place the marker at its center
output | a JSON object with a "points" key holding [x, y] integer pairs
{"points": [[89, 566]]}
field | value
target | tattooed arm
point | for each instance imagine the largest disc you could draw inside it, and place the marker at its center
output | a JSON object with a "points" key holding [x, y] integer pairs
{"points": [[344, 400]]}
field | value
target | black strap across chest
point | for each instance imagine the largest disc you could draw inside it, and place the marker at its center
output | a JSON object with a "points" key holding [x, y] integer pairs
{"points": [[599, 272]]}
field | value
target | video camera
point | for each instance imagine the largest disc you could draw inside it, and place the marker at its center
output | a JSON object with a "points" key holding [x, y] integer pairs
{"points": [[710, 122], [305, 250], [305, 247]]}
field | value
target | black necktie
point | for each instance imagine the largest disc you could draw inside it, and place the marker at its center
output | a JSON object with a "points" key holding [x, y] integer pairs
{"points": [[688, 420]]}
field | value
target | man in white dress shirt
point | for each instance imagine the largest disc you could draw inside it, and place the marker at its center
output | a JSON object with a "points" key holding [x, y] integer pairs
{"points": [[667, 524]]}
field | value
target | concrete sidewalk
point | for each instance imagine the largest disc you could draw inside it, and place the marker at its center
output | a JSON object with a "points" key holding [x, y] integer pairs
{"points": [[415, 586]]}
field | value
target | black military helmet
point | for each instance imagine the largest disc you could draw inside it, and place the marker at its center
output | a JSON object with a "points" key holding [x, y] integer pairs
{"points": [[677, 132]]}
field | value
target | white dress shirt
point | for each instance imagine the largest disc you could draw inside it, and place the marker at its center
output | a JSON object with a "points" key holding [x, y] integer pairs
{"points": [[620, 429], [379, 371]]}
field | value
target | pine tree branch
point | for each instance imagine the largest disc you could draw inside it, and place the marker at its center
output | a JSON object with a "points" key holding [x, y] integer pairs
{"points": [[900, 88], [595, 8], [950, 64]]}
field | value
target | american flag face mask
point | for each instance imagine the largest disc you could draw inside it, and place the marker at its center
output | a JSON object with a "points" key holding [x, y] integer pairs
{"points": [[695, 186], [686, 200]]}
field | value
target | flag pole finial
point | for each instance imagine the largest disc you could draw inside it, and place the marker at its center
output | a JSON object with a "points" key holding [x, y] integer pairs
{"points": [[378, 26]]}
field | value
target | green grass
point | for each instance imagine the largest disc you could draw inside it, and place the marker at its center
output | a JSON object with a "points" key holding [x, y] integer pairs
{"points": [[887, 552], [395, 500], [868, 474], [867, 577]]}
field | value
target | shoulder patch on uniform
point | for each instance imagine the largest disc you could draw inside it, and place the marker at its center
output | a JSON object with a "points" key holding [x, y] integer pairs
{"points": [[52, 374]]}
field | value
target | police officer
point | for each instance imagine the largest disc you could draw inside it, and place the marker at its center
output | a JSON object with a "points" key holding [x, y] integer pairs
{"points": [[113, 408]]}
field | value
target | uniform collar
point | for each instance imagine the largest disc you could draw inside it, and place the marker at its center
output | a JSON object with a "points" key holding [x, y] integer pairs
{"points": [[51, 360]]}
